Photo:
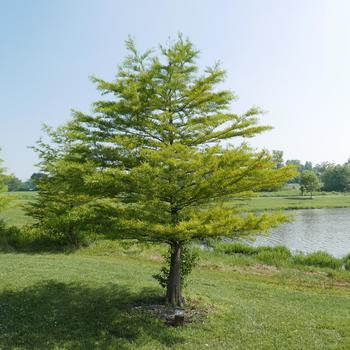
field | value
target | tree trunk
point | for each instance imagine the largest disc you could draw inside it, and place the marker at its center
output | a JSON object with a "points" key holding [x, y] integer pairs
{"points": [[174, 288]]}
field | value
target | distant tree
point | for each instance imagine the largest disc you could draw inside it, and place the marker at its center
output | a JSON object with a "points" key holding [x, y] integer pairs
{"points": [[319, 169], [336, 178], [149, 164], [307, 166], [310, 182], [277, 157], [298, 166], [31, 183], [13, 183], [36, 177]]}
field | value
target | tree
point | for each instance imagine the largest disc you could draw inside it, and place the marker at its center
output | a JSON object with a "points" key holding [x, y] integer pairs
{"points": [[309, 182], [308, 166], [13, 183], [336, 178], [277, 157], [298, 166], [319, 169], [149, 163]]}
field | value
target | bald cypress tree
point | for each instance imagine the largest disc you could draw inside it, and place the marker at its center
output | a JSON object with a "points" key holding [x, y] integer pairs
{"points": [[160, 159]]}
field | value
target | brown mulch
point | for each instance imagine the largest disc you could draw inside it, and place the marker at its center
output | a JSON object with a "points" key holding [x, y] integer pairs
{"points": [[194, 311]]}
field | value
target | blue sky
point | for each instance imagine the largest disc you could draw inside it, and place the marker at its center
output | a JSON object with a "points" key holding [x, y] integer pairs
{"points": [[290, 57]]}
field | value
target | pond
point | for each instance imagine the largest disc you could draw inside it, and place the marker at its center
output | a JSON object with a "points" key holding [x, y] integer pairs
{"points": [[312, 230]]}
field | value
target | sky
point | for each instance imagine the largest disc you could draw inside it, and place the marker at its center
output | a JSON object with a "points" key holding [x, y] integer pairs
{"points": [[289, 57]]}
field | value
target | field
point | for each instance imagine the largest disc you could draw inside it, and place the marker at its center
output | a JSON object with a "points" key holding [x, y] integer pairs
{"points": [[14, 215], [90, 298], [86, 300]]}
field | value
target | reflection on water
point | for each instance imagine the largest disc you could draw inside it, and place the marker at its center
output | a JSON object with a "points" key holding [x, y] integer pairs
{"points": [[312, 230]]}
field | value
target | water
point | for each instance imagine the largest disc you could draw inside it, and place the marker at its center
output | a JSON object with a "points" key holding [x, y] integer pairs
{"points": [[312, 230]]}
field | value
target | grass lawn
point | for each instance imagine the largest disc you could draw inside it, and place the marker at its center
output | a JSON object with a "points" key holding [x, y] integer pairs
{"points": [[14, 215], [86, 300]]}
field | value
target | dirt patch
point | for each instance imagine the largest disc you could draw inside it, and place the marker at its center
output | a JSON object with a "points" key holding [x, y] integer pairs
{"points": [[194, 311]]}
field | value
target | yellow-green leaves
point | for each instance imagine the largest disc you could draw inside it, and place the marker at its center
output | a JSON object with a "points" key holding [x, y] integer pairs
{"points": [[154, 160]]}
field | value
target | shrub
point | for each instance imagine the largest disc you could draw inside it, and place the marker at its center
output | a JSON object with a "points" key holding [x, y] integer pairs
{"points": [[320, 259], [346, 261], [234, 248], [10, 237], [274, 255]]}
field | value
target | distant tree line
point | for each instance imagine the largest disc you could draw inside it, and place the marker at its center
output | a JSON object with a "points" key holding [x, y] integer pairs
{"points": [[325, 176], [15, 184]]}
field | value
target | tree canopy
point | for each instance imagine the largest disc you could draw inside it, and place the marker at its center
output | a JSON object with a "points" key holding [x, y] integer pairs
{"points": [[161, 160], [336, 178], [310, 182]]}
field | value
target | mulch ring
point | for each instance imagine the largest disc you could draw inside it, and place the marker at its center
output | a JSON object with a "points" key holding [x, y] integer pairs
{"points": [[194, 311]]}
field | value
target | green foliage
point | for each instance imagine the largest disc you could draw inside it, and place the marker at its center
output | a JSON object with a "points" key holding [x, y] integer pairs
{"points": [[24, 239], [336, 178], [346, 261], [147, 161], [9, 237], [277, 157], [189, 259], [234, 248], [14, 184], [276, 256], [309, 181], [156, 161], [282, 256], [321, 259]]}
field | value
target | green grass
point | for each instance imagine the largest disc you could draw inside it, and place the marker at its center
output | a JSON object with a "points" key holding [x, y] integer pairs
{"points": [[280, 256], [15, 215], [259, 299], [86, 300]]}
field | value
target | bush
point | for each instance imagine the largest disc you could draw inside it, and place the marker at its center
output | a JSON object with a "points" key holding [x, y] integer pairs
{"points": [[346, 261], [269, 255], [234, 248], [320, 259], [274, 255], [28, 239], [10, 237]]}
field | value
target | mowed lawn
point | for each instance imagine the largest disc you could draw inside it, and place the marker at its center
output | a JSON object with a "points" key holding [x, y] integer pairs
{"points": [[15, 215], [87, 301]]}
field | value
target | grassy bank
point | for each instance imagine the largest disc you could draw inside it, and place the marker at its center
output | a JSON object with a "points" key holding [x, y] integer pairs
{"points": [[290, 202], [86, 300]]}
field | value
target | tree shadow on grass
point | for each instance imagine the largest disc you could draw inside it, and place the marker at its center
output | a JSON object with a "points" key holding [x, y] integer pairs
{"points": [[54, 315]]}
